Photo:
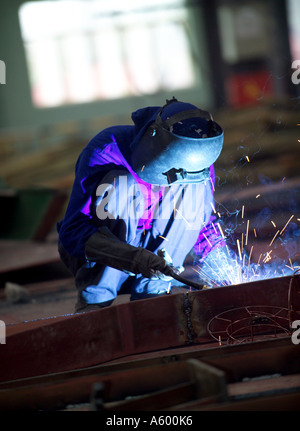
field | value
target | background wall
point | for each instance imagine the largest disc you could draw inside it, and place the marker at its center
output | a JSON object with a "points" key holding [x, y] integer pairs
{"points": [[242, 54], [17, 109]]}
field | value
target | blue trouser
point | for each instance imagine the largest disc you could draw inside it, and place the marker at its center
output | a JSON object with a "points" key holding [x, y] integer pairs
{"points": [[178, 218]]}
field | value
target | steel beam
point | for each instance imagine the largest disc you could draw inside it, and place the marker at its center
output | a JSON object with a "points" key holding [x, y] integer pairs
{"points": [[76, 341]]}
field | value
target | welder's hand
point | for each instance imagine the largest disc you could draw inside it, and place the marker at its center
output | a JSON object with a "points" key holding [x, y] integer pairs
{"points": [[148, 263], [166, 273]]}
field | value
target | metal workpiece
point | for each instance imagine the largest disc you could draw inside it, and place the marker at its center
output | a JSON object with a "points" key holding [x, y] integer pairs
{"points": [[75, 341], [198, 377]]}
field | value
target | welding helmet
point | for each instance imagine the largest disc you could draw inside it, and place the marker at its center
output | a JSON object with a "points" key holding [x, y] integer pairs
{"points": [[179, 146]]}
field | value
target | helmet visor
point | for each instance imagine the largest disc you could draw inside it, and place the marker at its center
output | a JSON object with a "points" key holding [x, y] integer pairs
{"points": [[180, 149]]}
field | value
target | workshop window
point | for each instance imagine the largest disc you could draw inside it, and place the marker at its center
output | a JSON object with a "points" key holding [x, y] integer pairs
{"points": [[293, 8], [82, 51]]}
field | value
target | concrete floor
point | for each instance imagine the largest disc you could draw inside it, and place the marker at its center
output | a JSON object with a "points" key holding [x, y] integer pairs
{"points": [[45, 299]]}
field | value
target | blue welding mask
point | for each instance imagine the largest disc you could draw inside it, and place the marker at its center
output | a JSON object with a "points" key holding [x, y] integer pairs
{"points": [[179, 146]]}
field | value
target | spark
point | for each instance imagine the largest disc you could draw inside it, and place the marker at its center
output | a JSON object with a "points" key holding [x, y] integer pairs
{"points": [[290, 267], [239, 249], [227, 250], [257, 196], [238, 267], [183, 217], [250, 254], [207, 239], [205, 277], [274, 238], [247, 232], [166, 239], [143, 167], [213, 271], [214, 210], [198, 272], [169, 287], [214, 228], [248, 160], [212, 183], [221, 231], [283, 179], [260, 256], [267, 257], [224, 268], [286, 224]]}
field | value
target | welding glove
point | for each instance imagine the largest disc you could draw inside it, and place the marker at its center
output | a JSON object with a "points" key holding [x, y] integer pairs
{"points": [[105, 248], [166, 274]]}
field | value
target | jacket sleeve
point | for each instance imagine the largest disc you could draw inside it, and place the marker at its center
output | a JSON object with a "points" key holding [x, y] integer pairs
{"points": [[78, 225]]}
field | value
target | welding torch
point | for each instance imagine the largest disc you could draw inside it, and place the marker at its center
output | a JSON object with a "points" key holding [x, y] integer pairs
{"points": [[170, 271]]}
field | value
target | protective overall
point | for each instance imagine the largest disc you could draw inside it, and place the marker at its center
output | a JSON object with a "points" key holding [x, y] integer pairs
{"points": [[122, 213]]}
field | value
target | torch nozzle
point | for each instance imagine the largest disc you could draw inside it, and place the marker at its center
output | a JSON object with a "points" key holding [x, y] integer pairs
{"points": [[171, 271]]}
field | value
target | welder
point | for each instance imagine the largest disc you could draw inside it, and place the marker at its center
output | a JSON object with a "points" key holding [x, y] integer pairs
{"points": [[142, 201]]}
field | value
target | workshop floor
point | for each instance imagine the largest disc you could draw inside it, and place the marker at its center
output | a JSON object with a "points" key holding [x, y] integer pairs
{"points": [[45, 299]]}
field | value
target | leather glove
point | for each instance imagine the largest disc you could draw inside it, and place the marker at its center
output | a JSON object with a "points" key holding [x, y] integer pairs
{"points": [[166, 273], [151, 265], [105, 248]]}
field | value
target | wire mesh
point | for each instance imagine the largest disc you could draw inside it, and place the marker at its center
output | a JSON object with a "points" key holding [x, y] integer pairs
{"points": [[256, 322]]}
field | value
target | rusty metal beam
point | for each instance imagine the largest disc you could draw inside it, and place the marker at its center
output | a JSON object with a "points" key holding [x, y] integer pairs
{"points": [[237, 361], [75, 341], [161, 375], [186, 380], [277, 402]]}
